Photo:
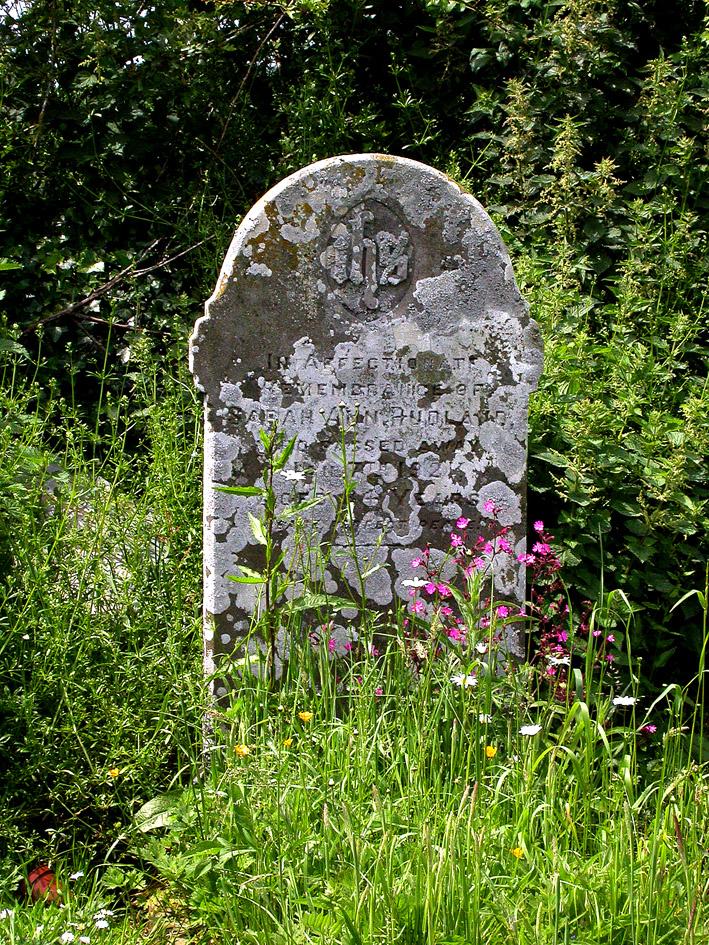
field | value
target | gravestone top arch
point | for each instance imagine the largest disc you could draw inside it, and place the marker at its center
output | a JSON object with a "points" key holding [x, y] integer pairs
{"points": [[370, 288]]}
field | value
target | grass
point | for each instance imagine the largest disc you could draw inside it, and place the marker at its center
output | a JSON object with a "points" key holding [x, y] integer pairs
{"points": [[392, 807], [370, 796]]}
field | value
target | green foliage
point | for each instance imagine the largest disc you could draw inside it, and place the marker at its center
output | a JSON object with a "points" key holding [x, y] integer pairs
{"points": [[100, 603]]}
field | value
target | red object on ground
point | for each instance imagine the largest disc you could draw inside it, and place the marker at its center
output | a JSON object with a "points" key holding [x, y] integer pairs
{"points": [[42, 884]]}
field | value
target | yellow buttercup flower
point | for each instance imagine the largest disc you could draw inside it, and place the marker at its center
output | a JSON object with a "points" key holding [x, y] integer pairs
{"points": [[242, 750], [518, 852], [287, 742], [114, 772], [305, 716], [490, 751]]}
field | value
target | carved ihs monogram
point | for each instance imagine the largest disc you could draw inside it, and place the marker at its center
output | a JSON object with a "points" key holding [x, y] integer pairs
{"points": [[370, 261]]}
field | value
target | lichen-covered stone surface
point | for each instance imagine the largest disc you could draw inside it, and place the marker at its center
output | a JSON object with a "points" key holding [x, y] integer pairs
{"points": [[371, 290]]}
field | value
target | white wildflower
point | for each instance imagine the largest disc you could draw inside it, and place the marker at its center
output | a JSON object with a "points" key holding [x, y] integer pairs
{"points": [[414, 582], [484, 718], [624, 700], [6, 913], [85, 940], [530, 730], [67, 937], [481, 647], [101, 924], [77, 875], [559, 661], [293, 475], [464, 680]]}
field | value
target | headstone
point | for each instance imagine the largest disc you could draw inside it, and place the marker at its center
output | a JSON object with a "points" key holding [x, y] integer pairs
{"points": [[369, 290]]}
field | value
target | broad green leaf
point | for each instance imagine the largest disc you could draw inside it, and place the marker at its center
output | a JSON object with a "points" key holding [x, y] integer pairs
{"points": [[257, 529], [159, 812], [7, 264], [7, 344]]}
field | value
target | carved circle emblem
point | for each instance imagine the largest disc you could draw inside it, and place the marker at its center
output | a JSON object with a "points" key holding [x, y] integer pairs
{"points": [[368, 259]]}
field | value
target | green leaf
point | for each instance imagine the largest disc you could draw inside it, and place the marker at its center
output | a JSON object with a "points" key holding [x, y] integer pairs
{"points": [[320, 601], [372, 570], [247, 576], [7, 264], [257, 529], [290, 510], [159, 812], [283, 458], [7, 344], [240, 490]]}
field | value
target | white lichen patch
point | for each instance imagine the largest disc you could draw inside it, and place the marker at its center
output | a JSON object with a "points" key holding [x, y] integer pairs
{"points": [[259, 269]]}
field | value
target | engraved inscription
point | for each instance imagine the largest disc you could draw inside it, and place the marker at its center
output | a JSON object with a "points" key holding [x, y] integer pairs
{"points": [[368, 254]]}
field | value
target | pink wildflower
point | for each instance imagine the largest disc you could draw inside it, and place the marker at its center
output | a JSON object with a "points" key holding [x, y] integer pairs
{"points": [[489, 548], [456, 540], [541, 547], [648, 729], [562, 636], [443, 590], [348, 647], [331, 645], [539, 526], [456, 634], [503, 611], [488, 507], [446, 611], [379, 691], [416, 563], [610, 658], [596, 633], [418, 607], [526, 559], [430, 588], [504, 545], [484, 622], [610, 638], [462, 523]]}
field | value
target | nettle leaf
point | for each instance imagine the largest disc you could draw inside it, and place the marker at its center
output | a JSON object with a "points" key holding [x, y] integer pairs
{"points": [[159, 812]]}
